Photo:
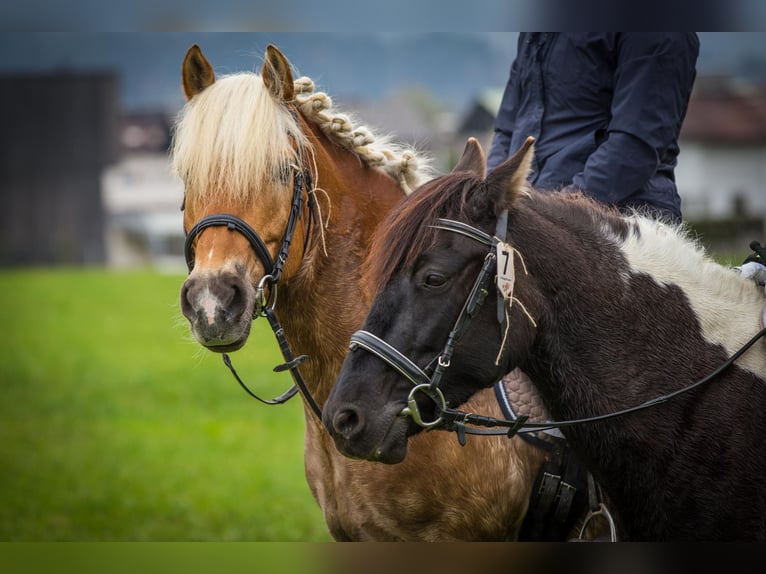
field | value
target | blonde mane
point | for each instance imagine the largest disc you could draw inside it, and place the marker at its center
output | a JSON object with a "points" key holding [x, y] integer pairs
{"points": [[215, 151]]}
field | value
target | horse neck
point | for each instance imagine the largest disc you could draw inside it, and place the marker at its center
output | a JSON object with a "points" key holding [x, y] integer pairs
{"points": [[604, 296], [575, 295], [323, 303]]}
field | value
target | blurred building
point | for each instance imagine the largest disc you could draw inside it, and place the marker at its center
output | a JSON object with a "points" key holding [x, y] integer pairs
{"points": [[59, 131], [722, 166], [142, 199], [479, 119]]}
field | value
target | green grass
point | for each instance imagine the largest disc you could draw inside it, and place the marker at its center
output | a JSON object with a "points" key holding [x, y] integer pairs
{"points": [[115, 425]]}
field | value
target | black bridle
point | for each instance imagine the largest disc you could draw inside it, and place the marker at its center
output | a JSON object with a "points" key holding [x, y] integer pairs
{"points": [[427, 380], [264, 305]]}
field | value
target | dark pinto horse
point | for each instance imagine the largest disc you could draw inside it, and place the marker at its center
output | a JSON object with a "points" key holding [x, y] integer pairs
{"points": [[604, 312], [264, 157]]}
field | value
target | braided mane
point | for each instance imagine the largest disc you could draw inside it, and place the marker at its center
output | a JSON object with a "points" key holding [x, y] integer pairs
{"points": [[401, 162]]}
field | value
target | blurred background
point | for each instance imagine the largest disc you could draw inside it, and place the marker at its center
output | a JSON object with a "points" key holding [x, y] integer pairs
{"points": [[114, 425], [87, 120]]}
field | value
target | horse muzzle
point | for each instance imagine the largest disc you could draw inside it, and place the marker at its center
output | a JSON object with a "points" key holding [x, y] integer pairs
{"points": [[219, 308], [383, 439]]}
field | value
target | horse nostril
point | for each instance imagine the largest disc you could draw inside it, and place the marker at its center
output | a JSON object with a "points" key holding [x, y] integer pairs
{"points": [[186, 304], [236, 304], [346, 422]]}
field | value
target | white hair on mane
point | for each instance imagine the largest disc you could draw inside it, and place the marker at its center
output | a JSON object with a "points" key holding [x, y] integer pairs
{"points": [[234, 137]]}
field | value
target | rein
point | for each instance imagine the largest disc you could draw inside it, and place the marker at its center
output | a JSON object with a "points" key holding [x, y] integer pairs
{"points": [[273, 273], [427, 380]]}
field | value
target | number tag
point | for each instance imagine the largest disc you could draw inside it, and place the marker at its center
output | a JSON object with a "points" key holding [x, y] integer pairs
{"points": [[505, 272]]}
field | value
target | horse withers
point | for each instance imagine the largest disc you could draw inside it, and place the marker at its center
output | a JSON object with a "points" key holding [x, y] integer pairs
{"points": [[604, 312]]}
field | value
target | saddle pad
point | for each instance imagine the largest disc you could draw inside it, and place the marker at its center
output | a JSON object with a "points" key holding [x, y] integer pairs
{"points": [[517, 395]]}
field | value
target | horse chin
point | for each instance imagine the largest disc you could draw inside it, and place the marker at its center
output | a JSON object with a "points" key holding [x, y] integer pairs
{"points": [[393, 447], [228, 342], [226, 347]]}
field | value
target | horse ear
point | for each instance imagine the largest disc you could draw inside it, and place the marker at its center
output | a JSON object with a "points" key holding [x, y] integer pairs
{"points": [[276, 74], [508, 180], [196, 72], [473, 159]]}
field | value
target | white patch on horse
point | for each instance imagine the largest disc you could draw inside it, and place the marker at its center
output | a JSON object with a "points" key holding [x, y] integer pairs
{"points": [[727, 306], [209, 304]]}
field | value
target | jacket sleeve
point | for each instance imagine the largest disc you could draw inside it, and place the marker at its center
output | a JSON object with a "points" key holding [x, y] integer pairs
{"points": [[653, 78], [506, 116]]}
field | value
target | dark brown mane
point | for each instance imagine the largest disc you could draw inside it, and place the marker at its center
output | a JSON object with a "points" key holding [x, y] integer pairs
{"points": [[406, 232]]}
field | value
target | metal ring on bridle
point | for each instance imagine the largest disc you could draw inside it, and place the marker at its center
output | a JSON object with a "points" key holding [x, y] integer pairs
{"points": [[263, 303], [412, 409]]}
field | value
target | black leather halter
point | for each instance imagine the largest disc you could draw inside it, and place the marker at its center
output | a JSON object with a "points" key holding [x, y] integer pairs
{"points": [[233, 223], [272, 273]]}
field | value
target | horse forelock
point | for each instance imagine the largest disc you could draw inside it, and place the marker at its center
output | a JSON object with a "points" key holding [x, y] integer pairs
{"points": [[232, 140], [407, 231]]}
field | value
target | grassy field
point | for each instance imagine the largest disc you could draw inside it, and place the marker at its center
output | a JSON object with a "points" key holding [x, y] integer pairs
{"points": [[115, 425]]}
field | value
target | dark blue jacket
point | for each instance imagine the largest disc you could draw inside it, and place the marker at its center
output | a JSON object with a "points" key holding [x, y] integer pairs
{"points": [[606, 110]]}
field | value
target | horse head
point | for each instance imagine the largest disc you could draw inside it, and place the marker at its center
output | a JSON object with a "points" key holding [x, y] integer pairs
{"points": [[425, 274], [240, 151]]}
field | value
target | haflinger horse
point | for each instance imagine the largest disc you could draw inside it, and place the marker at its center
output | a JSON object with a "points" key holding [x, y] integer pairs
{"points": [[282, 196], [644, 350]]}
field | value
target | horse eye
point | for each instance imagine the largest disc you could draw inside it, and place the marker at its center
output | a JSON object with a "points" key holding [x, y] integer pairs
{"points": [[435, 280]]}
